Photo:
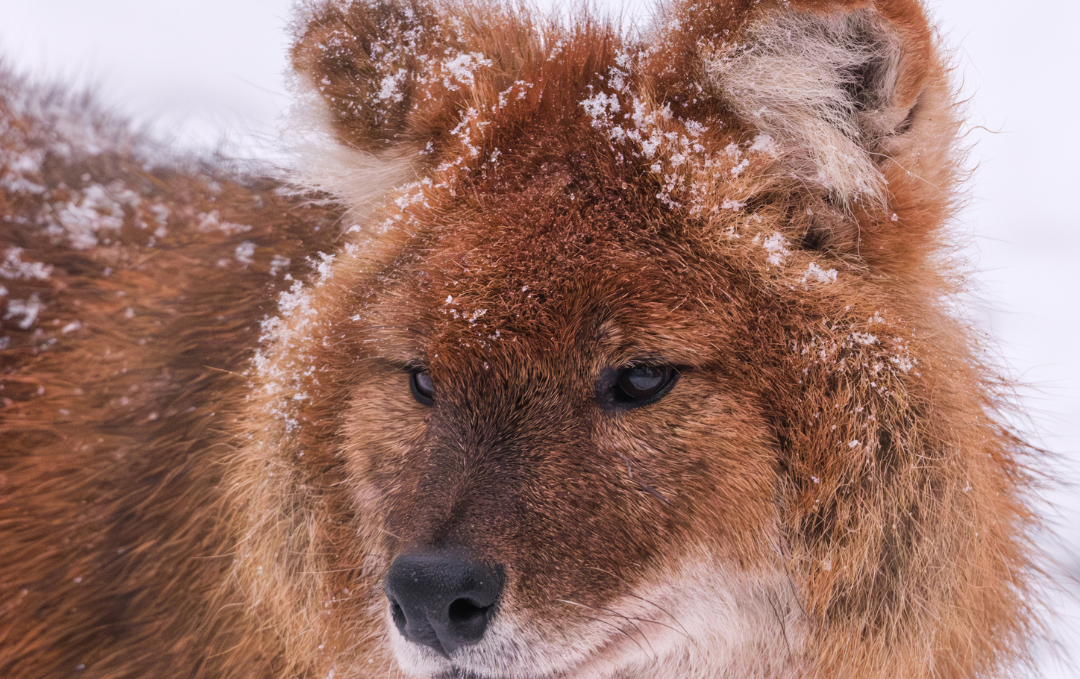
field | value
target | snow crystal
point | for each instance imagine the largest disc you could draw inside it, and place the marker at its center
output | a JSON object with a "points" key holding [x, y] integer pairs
{"points": [[464, 131], [16, 168], [27, 162], [817, 274], [763, 143], [292, 299], [160, 211], [462, 69], [82, 220], [864, 338], [212, 221], [28, 309], [521, 86], [905, 363], [277, 263], [776, 246], [601, 108], [13, 267], [325, 267], [390, 87], [695, 128], [245, 253]]}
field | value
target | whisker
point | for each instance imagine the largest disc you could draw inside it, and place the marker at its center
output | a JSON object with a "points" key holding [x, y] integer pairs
{"points": [[617, 629], [629, 619], [775, 606], [684, 631]]}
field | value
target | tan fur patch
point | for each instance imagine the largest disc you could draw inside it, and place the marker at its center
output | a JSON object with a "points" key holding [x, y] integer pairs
{"points": [[823, 86]]}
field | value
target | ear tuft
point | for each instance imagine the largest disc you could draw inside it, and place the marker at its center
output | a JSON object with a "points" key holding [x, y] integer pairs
{"points": [[826, 87]]}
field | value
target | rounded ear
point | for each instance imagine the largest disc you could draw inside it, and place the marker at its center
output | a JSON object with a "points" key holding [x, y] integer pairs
{"points": [[830, 82], [388, 71], [829, 86], [400, 88]]}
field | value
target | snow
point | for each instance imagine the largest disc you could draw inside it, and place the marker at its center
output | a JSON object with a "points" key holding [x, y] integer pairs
{"points": [[277, 263], [212, 221], [818, 275], [85, 221], [601, 107], [776, 246], [245, 253], [16, 166], [390, 87], [160, 212], [24, 311], [461, 69], [13, 267], [763, 143]]}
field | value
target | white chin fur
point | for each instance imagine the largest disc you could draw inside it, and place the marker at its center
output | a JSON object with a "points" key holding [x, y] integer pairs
{"points": [[703, 622]]}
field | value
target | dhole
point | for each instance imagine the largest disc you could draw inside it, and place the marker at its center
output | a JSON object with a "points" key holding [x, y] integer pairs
{"points": [[582, 354]]}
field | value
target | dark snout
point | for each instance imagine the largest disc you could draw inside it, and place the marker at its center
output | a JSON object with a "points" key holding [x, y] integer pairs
{"points": [[442, 601]]}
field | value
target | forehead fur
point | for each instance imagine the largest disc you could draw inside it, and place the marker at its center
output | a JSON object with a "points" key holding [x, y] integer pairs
{"points": [[818, 112]]}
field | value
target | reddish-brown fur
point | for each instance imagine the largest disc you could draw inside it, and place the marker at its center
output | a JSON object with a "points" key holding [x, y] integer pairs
{"points": [[827, 491]]}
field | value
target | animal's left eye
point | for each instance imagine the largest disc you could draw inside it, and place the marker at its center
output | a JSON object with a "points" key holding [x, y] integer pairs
{"points": [[422, 388], [642, 384]]}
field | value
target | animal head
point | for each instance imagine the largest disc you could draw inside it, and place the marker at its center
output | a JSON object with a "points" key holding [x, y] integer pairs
{"points": [[634, 362]]}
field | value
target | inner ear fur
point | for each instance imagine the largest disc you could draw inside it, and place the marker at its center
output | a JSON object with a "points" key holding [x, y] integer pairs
{"points": [[830, 83]]}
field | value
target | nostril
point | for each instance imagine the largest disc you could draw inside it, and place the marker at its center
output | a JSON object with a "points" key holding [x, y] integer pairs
{"points": [[464, 611], [398, 615]]}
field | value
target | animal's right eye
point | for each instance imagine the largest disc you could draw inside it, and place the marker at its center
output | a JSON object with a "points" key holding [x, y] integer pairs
{"points": [[643, 384], [635, 386], [422, 388]]}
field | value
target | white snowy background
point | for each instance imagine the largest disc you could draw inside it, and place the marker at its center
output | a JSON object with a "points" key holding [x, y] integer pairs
{"points": [[202, 71]]}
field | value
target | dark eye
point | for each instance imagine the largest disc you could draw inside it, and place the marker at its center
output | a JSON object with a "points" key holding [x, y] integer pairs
{"points": [[422, 388], [642, 384]]}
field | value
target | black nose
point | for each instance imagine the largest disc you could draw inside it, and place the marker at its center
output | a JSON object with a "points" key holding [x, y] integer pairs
{"points": [[441, 601]]}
